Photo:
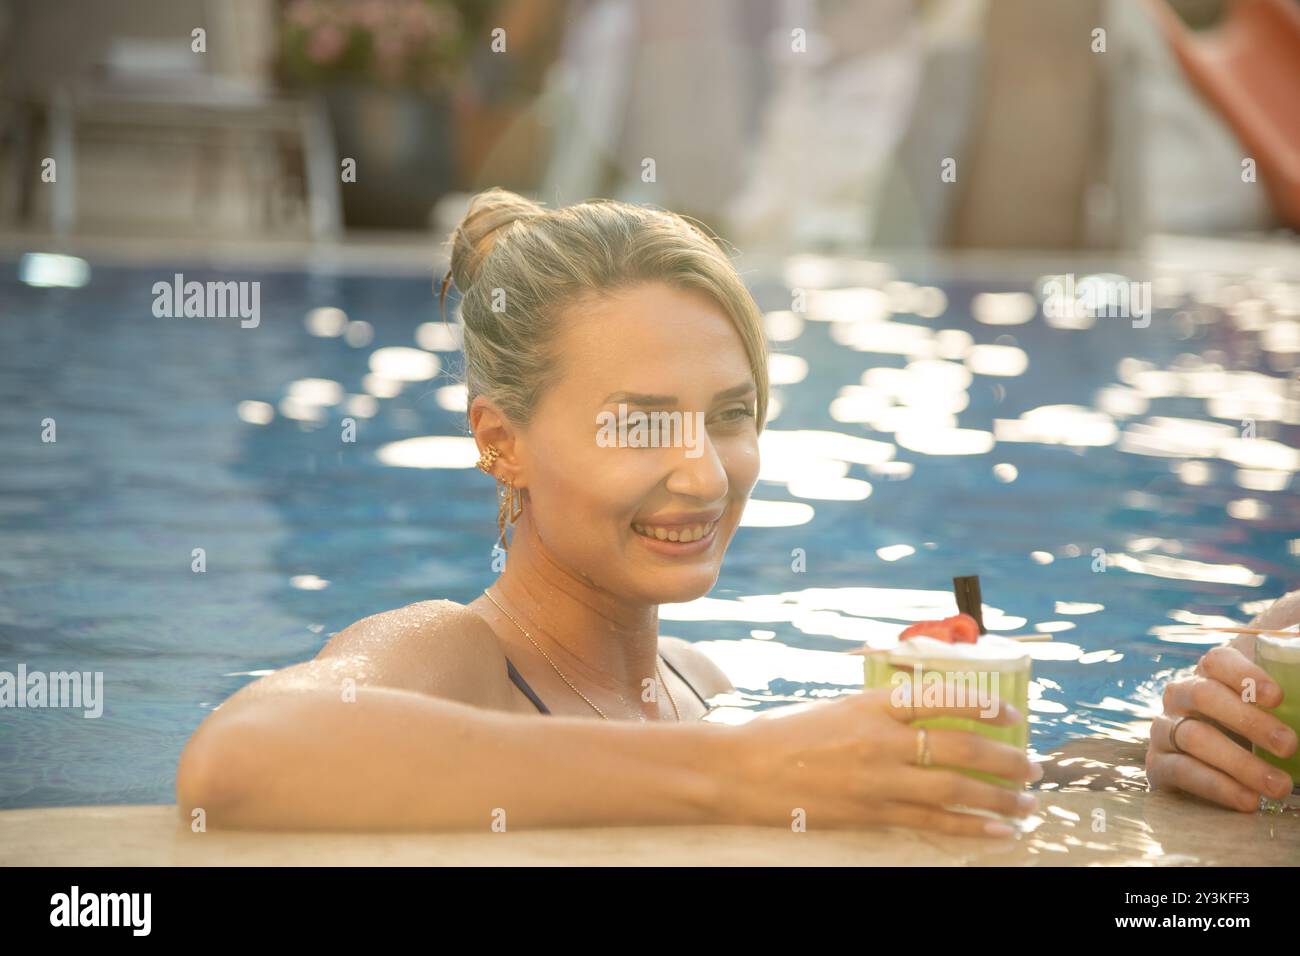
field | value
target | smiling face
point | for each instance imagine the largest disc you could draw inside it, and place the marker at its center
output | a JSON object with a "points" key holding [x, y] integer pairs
{"points": [[610, 514]]}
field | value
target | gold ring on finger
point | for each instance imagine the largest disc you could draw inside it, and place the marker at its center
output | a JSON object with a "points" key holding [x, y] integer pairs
{"points": [[923, 758], [1173, 734]]}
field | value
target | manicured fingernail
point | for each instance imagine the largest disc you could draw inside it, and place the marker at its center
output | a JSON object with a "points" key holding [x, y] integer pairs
{"points": [[1281, 739], [1026, 801], [1269, 688], [1035, 772], [998, 830], [1279, 784]]}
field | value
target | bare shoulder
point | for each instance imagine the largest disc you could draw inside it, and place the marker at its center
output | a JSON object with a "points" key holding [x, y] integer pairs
{"points": [[696, 666], [434, 647]]}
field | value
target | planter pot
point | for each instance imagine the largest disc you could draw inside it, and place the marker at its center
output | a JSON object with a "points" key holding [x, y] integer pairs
{"points": [[402, 144]]}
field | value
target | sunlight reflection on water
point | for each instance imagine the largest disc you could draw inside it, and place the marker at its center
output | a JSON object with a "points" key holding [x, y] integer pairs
{"points": [[1122, 487]]}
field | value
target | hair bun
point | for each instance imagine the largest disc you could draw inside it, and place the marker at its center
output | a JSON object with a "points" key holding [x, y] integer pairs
{"points": [[489, 212]]}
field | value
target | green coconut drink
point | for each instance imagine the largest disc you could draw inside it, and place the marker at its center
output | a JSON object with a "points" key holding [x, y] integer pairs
{"points": [[1280, 658], [980, 674]]}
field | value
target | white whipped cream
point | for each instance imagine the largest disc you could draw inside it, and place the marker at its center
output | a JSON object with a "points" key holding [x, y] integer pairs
{"points": [[989, 649], [1285, 650]]}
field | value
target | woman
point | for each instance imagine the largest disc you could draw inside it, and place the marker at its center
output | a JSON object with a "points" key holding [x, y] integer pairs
{"points": [[425, 717], [1188, 753]]}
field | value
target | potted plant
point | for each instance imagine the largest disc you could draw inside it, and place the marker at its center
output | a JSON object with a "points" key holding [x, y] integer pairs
{"points": [[385, 69]]}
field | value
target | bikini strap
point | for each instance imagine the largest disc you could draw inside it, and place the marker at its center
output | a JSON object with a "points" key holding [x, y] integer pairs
{"points": [[665, 659], [522, 684]]}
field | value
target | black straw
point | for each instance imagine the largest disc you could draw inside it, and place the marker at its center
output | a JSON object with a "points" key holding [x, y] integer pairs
{"points": [[967, 590]]}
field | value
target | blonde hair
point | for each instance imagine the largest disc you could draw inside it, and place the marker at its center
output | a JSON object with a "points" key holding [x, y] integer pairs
{"points": [[512, 252]]}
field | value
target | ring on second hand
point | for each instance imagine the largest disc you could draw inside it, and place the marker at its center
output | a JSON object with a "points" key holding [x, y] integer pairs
{"points": [[1173, 734], [923, 758]]}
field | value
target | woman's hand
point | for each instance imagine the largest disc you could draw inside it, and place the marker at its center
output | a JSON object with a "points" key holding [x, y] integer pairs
{"points": [[854, 762], [1205, 760]]}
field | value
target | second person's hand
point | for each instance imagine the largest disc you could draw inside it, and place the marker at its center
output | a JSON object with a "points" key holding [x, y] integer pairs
{"points": [[1189, 753]]}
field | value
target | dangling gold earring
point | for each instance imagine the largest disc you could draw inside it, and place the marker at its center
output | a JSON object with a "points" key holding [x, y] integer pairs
{"points": [[510, 500], [511, 507]]}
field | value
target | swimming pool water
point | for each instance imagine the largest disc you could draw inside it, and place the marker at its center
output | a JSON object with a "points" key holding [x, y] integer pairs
{"points": [[1119, 525]]}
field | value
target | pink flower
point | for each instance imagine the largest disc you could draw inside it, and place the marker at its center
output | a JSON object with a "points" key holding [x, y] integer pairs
{"points": [[418, 20], [303, 14], [390, 47], [372, 13], [325, 43]]}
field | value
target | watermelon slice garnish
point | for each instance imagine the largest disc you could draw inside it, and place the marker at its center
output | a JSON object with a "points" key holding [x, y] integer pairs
{"points": [[958, 629]]}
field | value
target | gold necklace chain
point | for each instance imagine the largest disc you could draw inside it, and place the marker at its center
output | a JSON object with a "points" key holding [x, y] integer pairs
{"points": [[524, 631]]}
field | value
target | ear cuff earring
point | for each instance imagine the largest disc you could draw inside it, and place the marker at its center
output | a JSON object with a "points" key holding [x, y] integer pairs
{"points": [[487, 459], [510, 500]]}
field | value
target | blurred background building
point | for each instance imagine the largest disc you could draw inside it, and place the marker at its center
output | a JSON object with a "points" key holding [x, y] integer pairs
{"points": [[812, 124]]}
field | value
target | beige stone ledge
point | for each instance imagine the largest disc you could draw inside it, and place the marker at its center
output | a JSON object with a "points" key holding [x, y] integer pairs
{"points": [[1094, 810], [1140, 829]]}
